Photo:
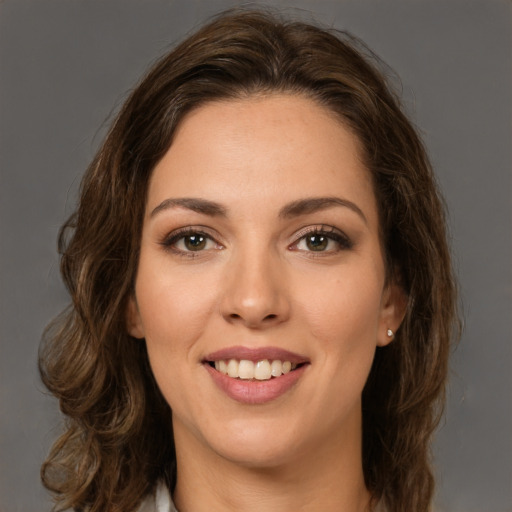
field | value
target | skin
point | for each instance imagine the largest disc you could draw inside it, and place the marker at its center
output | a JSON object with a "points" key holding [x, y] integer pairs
{"points": [[256, 283]]}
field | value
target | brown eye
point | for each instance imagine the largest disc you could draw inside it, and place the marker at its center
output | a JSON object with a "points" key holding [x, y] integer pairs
{"points": [[317, 242], [190, 241], [326, 239], [195, 242]]}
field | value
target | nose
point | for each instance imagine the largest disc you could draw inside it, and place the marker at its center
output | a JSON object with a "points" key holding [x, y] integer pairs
{"points": [[256, 293]]}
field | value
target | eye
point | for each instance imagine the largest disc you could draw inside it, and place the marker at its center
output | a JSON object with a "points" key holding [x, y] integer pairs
{"points": [[192, 242], [322, 239], [315, 242], [189, 241]]}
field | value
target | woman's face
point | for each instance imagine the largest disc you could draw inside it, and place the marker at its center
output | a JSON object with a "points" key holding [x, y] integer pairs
{"points": [[260, 252]]}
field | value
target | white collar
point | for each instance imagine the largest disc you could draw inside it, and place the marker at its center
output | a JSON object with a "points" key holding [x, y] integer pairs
{"points": [[160, 501]]}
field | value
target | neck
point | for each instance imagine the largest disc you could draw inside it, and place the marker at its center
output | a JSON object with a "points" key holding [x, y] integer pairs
{"points": [[327, 478]]}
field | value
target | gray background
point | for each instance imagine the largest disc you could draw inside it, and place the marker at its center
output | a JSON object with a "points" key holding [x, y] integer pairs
{"points": [[65, 64]]}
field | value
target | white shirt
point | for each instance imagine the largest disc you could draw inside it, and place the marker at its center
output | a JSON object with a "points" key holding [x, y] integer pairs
{"points": [[160, 501]]}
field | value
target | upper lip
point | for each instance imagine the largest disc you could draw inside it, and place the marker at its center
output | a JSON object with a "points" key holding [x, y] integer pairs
{"points": [[256, 354]]}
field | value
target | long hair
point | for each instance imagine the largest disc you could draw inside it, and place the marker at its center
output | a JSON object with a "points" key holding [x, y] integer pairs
{"points": [[118, 440]]}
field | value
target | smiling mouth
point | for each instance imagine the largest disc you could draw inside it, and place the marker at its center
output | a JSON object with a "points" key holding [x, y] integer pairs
{"points": [[245, 369]]}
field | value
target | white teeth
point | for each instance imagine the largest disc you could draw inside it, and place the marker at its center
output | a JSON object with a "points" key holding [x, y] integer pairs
{"points": [[262, 370], [232, 368], [276, 368], [247, 370]]}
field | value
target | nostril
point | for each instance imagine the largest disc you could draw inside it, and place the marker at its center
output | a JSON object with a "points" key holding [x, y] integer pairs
{"points": [[253, 319]]}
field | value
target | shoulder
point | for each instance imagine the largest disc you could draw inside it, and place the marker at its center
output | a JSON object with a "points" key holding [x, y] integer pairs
{"points": [[159, 501]]}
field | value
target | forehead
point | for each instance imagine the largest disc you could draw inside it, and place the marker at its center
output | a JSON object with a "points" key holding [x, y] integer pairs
{"points": [[259, 148]]}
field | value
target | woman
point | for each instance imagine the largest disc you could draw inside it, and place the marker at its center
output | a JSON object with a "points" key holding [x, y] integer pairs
{"points": [[262, 294]]}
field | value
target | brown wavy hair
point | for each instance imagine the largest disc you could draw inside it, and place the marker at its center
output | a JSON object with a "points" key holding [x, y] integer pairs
{"points": [[118, 439]]}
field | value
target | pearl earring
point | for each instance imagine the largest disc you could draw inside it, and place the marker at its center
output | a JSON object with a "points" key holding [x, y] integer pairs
{"points": [[390, 333]]}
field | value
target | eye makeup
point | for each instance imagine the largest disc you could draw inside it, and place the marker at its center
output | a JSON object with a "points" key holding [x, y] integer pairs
{"points": [[190, 241], [321, 239]]}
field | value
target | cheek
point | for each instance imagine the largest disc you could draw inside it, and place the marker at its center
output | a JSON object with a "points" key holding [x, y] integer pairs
{"points": [[175, 310], [174, 307], [343, 313]]}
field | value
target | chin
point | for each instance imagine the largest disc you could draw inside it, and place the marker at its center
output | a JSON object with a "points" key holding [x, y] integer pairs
{"points": [[255, 444], [253, 456]]}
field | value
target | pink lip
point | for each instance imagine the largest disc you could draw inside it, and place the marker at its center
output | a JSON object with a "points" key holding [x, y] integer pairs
{"points": [[255, 392], [256, 354]]}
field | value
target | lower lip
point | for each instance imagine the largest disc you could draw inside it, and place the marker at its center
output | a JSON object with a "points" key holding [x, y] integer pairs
{"points": [[255, 392]]}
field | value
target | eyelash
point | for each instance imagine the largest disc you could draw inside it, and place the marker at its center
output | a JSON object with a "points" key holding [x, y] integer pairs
{"points": [[331, 233], [169, 243]]}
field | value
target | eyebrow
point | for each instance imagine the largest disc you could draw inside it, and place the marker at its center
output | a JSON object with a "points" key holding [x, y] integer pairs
{"points": [[293, 209], [191, 203], [316, 204]]}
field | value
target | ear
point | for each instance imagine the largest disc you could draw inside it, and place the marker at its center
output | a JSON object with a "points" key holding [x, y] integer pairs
{"points": [[133, 320], [393, 309]]}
